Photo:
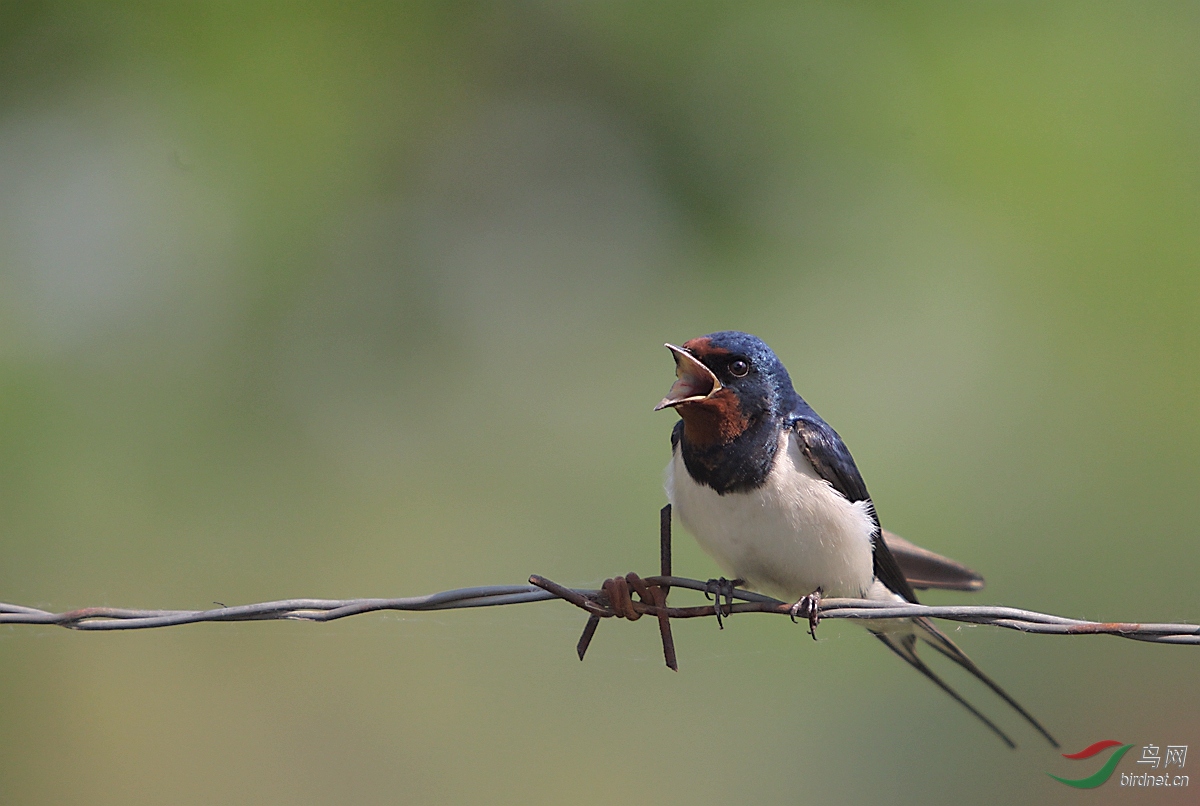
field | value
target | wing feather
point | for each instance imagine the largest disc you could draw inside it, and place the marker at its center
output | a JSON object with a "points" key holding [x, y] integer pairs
{"points": [[832, 460], [924, 569]]}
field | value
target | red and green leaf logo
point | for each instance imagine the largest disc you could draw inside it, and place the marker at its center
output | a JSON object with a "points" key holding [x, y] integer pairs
{"points": [[1101, 775]]}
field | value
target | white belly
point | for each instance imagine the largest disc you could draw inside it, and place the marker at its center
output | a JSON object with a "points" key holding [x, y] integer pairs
{"points": [[787, 538]]}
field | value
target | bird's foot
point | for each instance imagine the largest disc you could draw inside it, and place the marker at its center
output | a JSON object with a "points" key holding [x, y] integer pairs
{"points": [[810, 607], [714, 589]]}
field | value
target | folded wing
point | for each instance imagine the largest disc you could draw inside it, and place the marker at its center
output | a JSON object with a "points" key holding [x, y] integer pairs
{"points": [[923, 569]]}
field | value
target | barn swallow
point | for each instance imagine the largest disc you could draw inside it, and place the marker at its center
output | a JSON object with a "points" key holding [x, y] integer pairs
{"points": [[772, 494]]}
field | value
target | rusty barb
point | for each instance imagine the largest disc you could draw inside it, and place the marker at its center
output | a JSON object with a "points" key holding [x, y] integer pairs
{"points": [[615, 598]]}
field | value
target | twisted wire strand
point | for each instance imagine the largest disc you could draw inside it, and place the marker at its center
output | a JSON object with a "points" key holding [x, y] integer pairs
{"points": [[542, 589]]}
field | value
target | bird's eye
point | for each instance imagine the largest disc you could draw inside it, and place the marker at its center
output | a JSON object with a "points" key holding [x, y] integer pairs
{"points": [[739, 368]]}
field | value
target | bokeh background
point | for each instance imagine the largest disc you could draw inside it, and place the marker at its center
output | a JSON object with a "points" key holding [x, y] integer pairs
{"points": [[335, 300]]}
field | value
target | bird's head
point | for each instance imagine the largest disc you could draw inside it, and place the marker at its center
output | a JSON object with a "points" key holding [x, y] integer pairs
{"points": [[725, 382]]}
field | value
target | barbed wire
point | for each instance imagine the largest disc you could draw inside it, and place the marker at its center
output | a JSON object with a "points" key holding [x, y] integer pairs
{"points": [[542, 589], [613, 599]]}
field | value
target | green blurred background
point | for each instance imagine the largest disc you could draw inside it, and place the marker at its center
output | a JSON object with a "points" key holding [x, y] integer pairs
{"points": [[336, 300]]}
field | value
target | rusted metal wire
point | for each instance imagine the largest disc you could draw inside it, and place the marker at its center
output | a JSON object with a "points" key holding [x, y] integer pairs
{"points": [[615, 599], [594, 601]]}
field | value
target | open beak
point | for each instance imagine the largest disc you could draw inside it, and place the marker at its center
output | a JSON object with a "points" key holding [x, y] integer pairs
{"points": [[695, 381]]}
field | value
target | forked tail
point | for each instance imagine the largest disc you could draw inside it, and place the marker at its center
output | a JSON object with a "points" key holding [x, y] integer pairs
{"points": [[905, 645]]}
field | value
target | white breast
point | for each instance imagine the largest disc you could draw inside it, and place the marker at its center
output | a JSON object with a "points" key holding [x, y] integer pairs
{"points": [[787, 538]]}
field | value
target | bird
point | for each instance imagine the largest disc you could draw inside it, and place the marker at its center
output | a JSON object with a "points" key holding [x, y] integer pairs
{"points": [[771, 492]]}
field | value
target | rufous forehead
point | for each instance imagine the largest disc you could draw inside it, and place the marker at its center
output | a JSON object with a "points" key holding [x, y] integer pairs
{"points": [[703, 346]]}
